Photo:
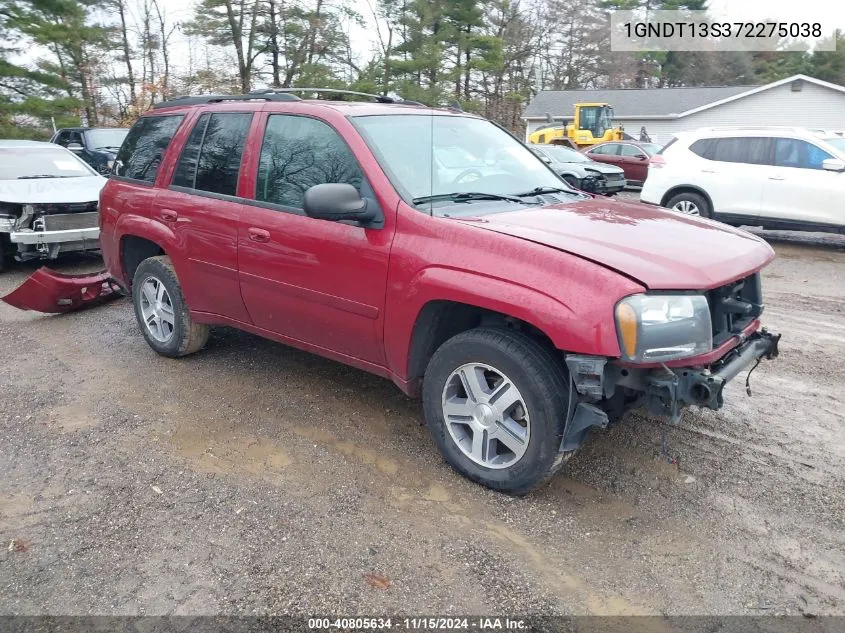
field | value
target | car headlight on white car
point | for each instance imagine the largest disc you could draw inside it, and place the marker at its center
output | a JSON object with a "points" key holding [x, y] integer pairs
{"points": [[654, 328]]}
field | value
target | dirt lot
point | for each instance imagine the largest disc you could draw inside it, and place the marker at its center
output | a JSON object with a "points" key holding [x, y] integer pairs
{"points": [[251, 478]]}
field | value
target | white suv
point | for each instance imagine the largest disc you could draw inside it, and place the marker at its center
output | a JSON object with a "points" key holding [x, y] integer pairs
{"points": [[777, 178]]}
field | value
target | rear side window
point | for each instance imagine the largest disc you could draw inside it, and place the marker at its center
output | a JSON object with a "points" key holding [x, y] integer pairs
{"points": [[211, 158], [143, 150], [792, 152], [606, 150], [298, 153], [749, 150]]}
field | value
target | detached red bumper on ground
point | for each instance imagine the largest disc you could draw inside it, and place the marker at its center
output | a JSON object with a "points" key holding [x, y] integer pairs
{"points": [[49, 291]]}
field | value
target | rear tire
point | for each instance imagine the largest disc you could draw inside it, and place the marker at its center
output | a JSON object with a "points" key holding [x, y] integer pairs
{"points": [[690, 203], [521, 396], [161, 311]]}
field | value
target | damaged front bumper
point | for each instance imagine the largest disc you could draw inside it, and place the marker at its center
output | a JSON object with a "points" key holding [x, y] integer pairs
{"points": [[667, 391], [38, 238], [607, 389], [51, 292]]}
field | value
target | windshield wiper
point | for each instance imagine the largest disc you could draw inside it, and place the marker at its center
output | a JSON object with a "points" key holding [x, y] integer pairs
{"points": [[538, 191], [468, 196], [34, 176], [108, 147]]}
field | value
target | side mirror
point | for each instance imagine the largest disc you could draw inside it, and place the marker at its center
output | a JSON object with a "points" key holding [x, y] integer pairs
{"points": [[336, 201], [833, 164], [545, 159], [75, 147]]}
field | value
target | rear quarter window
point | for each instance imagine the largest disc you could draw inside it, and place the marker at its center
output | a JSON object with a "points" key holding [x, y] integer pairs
{"points": [[143, 150]]}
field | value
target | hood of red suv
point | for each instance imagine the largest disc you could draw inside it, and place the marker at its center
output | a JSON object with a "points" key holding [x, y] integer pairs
{"points": [[660, 249]]}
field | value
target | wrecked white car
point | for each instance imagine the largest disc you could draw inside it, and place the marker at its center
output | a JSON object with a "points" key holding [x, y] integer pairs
{"points": [[48, 201]]}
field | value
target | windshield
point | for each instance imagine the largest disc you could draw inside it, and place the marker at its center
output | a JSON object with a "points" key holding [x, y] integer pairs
{"points": [[37, 162], [111, 138], [433, 155], [566, 155], [837, 142], [651, 148]]}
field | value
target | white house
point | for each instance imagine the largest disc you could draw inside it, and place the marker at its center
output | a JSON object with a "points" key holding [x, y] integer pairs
{"points": [[795, 101]]}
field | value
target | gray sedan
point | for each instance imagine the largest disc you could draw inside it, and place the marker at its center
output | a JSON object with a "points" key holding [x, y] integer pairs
{"points": [[581, 171]]}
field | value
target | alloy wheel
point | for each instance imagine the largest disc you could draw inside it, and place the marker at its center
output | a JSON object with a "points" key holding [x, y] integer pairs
{"points": [[486, 415], [687, 206], [157, 310]]}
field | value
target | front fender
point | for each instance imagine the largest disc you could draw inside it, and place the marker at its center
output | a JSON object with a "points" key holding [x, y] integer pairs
{"points": [[567, 329]]}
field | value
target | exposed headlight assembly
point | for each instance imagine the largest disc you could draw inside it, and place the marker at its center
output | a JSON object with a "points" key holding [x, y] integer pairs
{"points": [[655, 328]]}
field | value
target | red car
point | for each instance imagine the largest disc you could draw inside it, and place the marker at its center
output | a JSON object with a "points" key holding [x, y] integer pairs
{"points": [[523, 312], [632, 156]]}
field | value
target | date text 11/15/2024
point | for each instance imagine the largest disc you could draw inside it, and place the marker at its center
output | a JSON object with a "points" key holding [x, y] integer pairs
{"points": [[419, 623]]}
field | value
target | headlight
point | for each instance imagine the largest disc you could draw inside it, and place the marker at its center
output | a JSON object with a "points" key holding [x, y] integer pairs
{"points": [[657, 328]]}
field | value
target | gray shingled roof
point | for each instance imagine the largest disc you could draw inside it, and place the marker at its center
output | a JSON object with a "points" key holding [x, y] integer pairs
{"points": [[630, 102]]}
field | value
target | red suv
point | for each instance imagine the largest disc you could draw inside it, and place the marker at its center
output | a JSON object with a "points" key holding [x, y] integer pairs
{"points": [[433, 248]]}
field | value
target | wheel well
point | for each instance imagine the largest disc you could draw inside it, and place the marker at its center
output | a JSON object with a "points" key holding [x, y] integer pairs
{"points": [[685, 189], [438, 321], [135, 250]]}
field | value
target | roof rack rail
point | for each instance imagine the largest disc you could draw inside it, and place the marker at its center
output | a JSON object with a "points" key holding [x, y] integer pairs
{"points": [[337, 91], [200, 99]]}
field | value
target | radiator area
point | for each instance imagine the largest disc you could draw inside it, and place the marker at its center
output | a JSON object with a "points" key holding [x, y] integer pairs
{"points": [[66, 221]]}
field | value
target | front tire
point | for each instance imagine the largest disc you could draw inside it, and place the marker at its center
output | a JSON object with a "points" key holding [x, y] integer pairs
{"points": [[161, 311], [496, 403]]}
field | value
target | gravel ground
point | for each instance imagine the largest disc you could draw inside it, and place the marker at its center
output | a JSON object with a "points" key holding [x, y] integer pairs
{"points": [[255, 479]]}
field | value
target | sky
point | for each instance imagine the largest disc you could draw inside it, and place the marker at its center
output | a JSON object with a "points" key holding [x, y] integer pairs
{"points": [[831, 13]]}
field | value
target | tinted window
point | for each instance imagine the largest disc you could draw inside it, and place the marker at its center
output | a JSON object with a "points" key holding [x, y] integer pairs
{"points": [[728, 150], [631, 150], [142, 151], [733, 150], [298, 153], [186, 170], [791, 152], [220, 156]]}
